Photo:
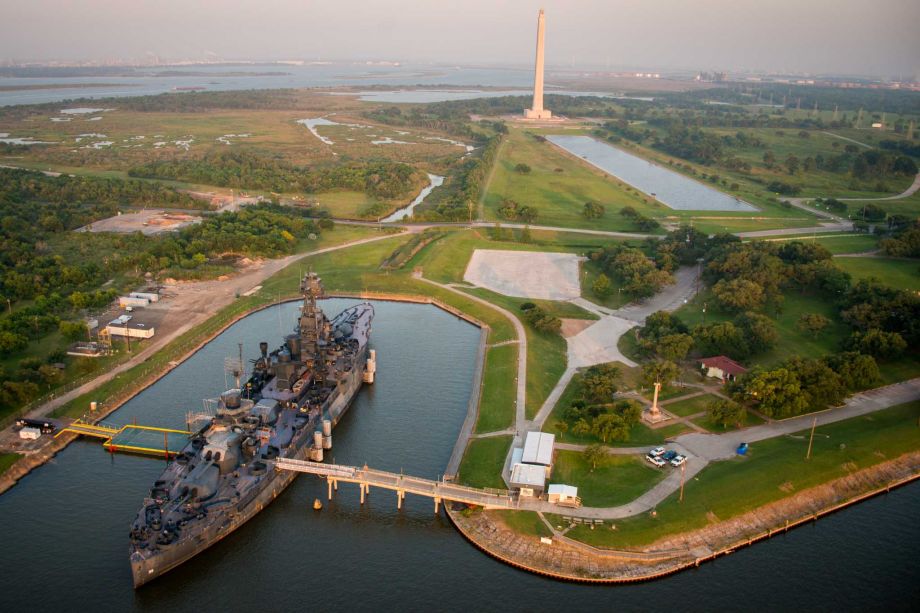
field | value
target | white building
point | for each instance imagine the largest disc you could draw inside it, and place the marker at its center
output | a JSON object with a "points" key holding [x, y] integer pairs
{"points": [[566, 495], [538, 450], [129, 329], [530, 479]]}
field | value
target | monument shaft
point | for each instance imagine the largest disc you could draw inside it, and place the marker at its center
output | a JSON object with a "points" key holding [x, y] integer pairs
{"points": [[537, 111]]}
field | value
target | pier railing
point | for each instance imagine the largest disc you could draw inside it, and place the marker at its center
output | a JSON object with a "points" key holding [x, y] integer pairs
{"points": [[402, 484]]}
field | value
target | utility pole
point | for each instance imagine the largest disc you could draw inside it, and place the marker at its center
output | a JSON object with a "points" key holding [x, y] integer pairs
{"points": [[811, 438], [682, 467]]}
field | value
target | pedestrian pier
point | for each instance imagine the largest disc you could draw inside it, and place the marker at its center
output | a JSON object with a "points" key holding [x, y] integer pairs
{"points": [[401, 484], [145, 440]]}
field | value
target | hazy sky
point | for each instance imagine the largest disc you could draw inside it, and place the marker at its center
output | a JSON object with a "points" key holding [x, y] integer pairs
{"points": [[851, 36]]}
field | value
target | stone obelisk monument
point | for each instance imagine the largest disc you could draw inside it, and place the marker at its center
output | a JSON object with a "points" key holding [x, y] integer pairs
{"points": [[537, 111]]}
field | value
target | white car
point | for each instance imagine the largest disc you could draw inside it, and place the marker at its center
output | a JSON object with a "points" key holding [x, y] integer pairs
{"points": [[678, 460], [655, 461], [657, 451]]}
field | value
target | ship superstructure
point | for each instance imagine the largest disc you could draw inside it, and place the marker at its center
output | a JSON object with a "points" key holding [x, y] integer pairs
{"points": [[287, 408]]}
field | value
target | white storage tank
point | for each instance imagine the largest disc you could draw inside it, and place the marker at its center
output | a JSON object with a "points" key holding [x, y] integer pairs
{"points": [[30, 433], [149, 296], [131, 301]]}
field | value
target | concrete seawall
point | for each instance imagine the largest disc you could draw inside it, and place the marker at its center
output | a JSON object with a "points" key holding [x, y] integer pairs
{"points": [[574, 561]]}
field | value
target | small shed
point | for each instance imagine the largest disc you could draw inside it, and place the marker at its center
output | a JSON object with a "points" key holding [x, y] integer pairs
{"points": [[530, 479], [722, 367], [566, 495]]}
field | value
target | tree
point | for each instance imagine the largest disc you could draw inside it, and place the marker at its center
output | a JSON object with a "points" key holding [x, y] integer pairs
{"points": [[610, 426], [857, 371], [822, 385], [674, 347], [738, 294], [726, 413], [522, 168], [769, 159], [599, 383], [792, 163], [602, 287], [73, 330], [595, 455], [777, 393], [878, 343], [593, 210], [660, 371], [561, 427], [721, 338], [813, 323], [581, 427], [758, 331]]}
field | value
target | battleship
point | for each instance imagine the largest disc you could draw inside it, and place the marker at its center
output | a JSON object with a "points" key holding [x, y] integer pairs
{"points": [[286, 409]]}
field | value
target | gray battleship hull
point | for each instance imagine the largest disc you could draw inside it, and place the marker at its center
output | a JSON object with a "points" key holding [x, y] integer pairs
{"points": [[145, 570]]}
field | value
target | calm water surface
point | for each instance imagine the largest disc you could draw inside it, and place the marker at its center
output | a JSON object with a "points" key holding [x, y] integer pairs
{"points": [[670, 188], [64, 528]]}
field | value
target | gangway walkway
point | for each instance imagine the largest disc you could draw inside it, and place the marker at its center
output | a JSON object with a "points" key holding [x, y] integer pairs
{"points": [[147, 440], [402, 484]]}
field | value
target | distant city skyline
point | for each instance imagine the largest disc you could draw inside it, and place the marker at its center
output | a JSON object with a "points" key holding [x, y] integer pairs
{"points": [[818, 37]]}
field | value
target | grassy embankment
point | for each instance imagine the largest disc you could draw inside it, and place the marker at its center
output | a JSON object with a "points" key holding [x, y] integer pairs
{"points": [[835, 243], [7, 460], [560, 196], [902, 274], [772, 470]]}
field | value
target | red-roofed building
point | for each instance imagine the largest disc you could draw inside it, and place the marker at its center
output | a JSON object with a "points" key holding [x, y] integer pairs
{"points": [[721, 367]]}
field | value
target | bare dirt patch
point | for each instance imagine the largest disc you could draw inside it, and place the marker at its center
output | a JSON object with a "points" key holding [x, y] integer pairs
{"points": [[571, 327]]}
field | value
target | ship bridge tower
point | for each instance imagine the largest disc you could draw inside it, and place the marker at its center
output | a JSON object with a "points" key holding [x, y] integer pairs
{"points": [[312, 324]]}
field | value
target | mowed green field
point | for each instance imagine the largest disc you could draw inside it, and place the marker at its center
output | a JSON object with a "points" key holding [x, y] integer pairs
{"points": [[773, 469], [903, 274], [617, 480], [499, 389], [835, 243], [482, 464], [559, 185]]}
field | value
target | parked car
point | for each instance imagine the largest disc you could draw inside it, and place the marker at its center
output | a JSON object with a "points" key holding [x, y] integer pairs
{"points": [[678, 460], [669, 455], [655, 461], [657, 451]]}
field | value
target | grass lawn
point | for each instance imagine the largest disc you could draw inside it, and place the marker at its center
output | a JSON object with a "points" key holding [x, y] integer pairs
{"points": [[525, 522], [559, 185], [619, 480], [835, 243], [688, 407], [705, 422], [499, 389], [483, 462], [791, 341], [672, 431], [902, 274], [7, 460], [773, 469], [546, 352]]}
